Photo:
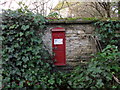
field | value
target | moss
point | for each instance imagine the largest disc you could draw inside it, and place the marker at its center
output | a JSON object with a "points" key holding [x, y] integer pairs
{"points": [[90, 18], [73, 19], [113, 19], [82, 19]]}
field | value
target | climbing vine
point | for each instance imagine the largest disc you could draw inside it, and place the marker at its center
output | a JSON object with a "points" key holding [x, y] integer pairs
{"points": [[108, 32], [25, 61], [102, 71]]}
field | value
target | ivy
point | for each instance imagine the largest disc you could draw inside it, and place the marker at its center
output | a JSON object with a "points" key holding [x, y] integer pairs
{"points": [[25, 60], [108, 32], [99, 72]]}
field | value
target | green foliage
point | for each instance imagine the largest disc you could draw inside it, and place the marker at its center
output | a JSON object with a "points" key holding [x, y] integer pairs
{"points": [[53, 15], [26, 64], [108, 32], [98, 72], [25, 61]]}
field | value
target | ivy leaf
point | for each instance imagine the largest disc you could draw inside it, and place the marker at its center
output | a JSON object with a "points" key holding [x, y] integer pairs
{"points": [[21, 43], [117, 25], [19, 63], [21, 84], [51, 81], [12, 27], [25, 27], [3, 27], [99, 83], [25, 59], [24, 66], [21, 33], [1, 38]]}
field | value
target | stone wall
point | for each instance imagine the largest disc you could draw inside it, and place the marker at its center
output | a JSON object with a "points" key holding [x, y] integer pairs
{"points": [[0, 63], [79, 42]]}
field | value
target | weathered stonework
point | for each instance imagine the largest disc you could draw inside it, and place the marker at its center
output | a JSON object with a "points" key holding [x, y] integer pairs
{"points": [[79, 42]]}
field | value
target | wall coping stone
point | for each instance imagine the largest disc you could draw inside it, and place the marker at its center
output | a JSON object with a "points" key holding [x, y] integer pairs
{"points": [[71, 21]]}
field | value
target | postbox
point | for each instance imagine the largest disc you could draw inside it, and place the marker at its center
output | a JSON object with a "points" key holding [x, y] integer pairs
{"points": [[59, 46]]}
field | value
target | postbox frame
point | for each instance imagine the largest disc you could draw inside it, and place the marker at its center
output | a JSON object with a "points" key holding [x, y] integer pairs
{"points": [[62, 58]]}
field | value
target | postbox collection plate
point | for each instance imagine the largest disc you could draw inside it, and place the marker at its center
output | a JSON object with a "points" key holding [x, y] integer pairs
{"points": [[58, 41]]}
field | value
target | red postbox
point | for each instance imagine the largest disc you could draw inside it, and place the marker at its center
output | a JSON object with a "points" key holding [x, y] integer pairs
{"points": [[58, 46]]}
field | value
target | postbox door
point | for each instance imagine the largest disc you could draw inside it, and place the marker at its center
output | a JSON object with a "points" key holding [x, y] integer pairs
{"points": [[58, 44]]}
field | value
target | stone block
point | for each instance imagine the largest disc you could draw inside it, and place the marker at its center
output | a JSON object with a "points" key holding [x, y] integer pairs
{"points": [[69, 31], [73, 63], [80, 32]]}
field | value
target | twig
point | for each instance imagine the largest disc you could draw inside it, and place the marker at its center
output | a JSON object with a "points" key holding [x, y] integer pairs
{"points": [[97, 42], [116, 79]]}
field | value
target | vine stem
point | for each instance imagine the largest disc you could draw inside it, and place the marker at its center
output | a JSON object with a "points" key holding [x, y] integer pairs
{"points": [[97, 42], [116, 79]]}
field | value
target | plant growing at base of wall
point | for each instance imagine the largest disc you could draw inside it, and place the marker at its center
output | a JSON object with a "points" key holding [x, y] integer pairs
{"points": [[25, 61], [103, 71]]}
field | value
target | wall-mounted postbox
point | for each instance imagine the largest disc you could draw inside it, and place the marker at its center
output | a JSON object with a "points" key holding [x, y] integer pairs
{"points": [[58, 46]]}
